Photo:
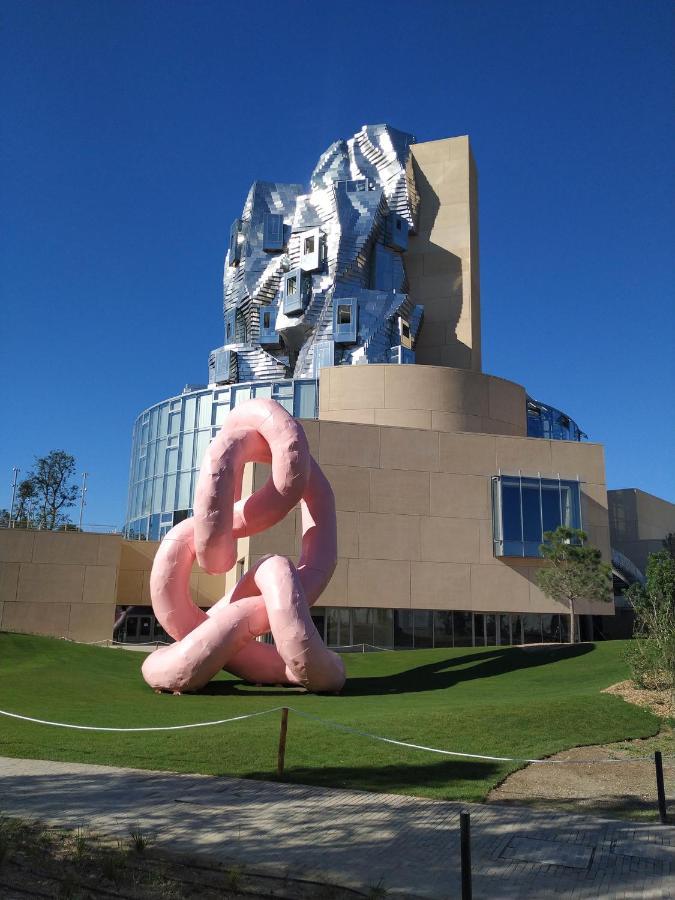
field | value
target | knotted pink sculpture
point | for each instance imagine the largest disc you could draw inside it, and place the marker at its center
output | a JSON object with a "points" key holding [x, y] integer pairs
{"points": [[273, 595]]}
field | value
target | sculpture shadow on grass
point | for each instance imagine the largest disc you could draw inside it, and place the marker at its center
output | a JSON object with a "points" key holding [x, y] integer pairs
{"points": [[436, 676]]}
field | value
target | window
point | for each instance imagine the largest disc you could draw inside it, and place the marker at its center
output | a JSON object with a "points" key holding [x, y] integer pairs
{"points": [[267, 320], [524, 508], [396, 232], [309, 245], [235, 242], [273, 232], [294, 292], [345, 323]]}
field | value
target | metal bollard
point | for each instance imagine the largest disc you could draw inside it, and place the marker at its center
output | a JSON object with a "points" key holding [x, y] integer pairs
{"points": [[660, 790], [282, 742], [465, 853]]}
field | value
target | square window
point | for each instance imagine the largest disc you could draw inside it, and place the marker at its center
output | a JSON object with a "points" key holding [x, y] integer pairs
{"points": [[309, 245]]}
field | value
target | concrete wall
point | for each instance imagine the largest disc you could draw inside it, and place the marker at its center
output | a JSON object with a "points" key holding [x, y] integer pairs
{"points": [[638, 523], [133, 586], [414, 516], [58, 583], [442, 261], [426, 397]]}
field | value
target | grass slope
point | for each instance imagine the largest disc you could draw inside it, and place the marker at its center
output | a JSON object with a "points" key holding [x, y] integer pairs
{"points": [[498, 701]]}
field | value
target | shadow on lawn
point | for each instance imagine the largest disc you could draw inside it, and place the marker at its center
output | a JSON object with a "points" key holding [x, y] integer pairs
{"points": [[436, 676], [403, 777]]}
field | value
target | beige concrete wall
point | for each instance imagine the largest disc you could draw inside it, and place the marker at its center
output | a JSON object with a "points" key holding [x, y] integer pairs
{"points": [[639, 522], [424, 397], [133, 586], [414, 516], [442, 261], [58, 583]]}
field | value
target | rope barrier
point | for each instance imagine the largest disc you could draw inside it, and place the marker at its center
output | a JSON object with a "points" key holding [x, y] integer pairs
{"points": [[377, 737], [264, 712], [327, 723]]}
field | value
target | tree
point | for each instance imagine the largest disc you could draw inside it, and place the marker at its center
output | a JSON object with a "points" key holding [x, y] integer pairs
{"points": [[50, 488], [26, 495], [652, 653], [575, 571]]}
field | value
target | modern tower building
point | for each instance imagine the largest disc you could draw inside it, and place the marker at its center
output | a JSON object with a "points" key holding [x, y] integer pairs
{"points": [[354, 300]]}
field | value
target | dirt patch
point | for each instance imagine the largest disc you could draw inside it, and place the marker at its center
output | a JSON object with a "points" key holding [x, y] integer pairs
{"points": [[39, 861], [616, 779], [659, 702]]}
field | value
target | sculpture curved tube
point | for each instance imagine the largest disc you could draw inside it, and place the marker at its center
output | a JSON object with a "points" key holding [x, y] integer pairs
{"points": [[273, 595]]}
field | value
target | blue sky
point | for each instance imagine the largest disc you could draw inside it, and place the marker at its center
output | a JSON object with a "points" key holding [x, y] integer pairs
{"points": [[132, 130]]}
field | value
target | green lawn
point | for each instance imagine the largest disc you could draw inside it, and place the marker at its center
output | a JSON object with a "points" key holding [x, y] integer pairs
{"points": [[495, 701]]}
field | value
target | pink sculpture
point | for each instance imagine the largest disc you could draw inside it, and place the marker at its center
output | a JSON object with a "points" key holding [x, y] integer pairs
{"points": [[273, 595]]}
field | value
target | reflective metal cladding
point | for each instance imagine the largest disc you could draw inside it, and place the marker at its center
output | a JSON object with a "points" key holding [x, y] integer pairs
{"points": [[314, 276]]}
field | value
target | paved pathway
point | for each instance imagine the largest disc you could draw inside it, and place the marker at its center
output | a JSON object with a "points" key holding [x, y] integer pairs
{"points": [[354, 837]]}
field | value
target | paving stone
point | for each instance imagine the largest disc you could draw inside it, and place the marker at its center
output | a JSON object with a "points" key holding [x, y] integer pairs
{"points": [[355, 837]]}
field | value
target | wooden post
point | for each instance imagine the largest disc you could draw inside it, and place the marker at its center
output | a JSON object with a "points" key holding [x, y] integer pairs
{"points": [[282, 742], [465, 853], [660, 790]]}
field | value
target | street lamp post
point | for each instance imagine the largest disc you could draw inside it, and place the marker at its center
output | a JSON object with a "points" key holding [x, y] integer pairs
{"points": [[82, 493], [16, 471]]}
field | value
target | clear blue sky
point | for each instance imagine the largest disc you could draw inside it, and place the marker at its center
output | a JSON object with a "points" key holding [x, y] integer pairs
{"points": [[132, 130]]}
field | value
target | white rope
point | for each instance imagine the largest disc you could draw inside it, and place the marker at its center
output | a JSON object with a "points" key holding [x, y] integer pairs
{"points": [[377, 737], [264, 712], [338, 726]]}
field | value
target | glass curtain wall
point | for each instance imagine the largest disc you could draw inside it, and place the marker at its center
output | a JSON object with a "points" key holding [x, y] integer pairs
{"points": [[406, 629], [169, 441]]}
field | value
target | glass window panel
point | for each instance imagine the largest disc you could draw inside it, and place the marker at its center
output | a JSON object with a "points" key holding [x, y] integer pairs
{"points": [[443, 628], [241, 394], [332, 627], [403, 628], [174, 423], [304, 406], [479, 630], [203, 441], [154, 417], [490, 630], [531, 511], [171, 463], [204, 410], [157, 486], [383, 627], [131, 626], [163, 424], [362, 626], [319, 619], [190, 412], [462, 629], [564, 629], [186, 450], [147, 497], [511, 525], [168, 503], [516, 629], [184, 485], [219, 412], [549, 628], [567, 497], [550, 503], [424, 628], [153, 524], [532, 628], [504, 631], [262, 390], [344, 619]]}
